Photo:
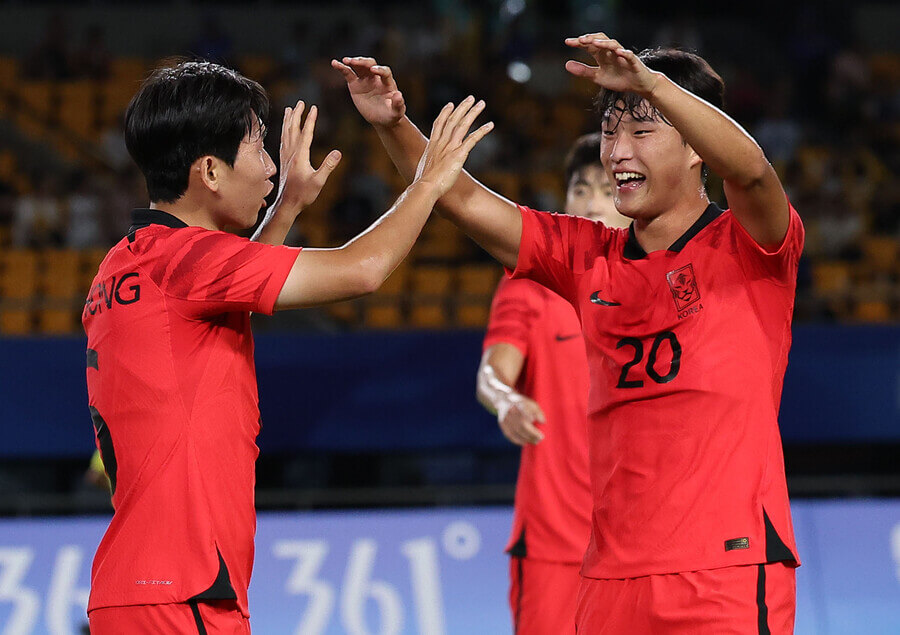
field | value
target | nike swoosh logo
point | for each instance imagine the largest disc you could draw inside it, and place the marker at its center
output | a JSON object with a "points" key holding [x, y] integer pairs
{"points": [[563, 338], [595, 298]]}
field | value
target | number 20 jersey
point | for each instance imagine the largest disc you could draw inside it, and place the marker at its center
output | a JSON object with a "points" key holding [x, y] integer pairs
{"points": [[687, 349]]}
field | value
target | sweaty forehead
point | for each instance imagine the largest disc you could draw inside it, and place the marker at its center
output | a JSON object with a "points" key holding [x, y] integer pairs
{"points": [[630, 110]]}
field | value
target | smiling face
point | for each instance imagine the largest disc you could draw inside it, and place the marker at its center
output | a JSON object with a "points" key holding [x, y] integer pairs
{"points": [[244, 187], [653, 170], [590, 195]]}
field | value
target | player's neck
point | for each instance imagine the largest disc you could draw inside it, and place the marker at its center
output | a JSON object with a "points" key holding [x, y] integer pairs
{"points": [[189, 212], [659, 232]]}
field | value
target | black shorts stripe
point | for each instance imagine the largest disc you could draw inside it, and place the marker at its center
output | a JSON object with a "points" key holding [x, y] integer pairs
{"points": [[762, 611], [107, 451], [201, 629]]}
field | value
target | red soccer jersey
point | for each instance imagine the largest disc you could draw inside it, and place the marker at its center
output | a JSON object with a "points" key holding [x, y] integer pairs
{"points": [[687, 349], [552, 518], [172, 392]]}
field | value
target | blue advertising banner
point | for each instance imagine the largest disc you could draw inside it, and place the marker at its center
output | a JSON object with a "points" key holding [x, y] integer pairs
{"points": [[433, 572]]}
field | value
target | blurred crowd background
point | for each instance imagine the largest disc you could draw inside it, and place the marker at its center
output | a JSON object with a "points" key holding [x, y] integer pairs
{"points": [[816, 83]]}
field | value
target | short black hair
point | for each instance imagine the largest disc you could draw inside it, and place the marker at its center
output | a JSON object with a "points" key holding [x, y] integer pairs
{"points": [[585, 151], [186, 110], [688, 70]]}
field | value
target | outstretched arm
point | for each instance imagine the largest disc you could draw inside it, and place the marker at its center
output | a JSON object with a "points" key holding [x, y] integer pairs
{"points": [[492, 221], [754, 192], [499, 371], [362, 265]]}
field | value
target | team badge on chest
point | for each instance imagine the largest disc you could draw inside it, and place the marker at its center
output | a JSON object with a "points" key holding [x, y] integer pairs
{"points": [[685, 292]]}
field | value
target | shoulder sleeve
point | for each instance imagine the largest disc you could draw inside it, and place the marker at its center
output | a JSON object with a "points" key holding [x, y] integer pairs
{"points": [[516, 306], [213, 272], [779, 265], [556, 249]]}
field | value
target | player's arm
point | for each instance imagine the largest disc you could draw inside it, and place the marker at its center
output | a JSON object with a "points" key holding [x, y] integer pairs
{"points": [[362, 265], [498, 373], [754, 191], [492, 221], [299, 184]]}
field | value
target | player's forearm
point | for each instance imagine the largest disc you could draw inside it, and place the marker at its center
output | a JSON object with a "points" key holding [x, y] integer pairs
{"points": [[388, 240], [489, 219], [724, 146], [275, 226], [492, 390]]}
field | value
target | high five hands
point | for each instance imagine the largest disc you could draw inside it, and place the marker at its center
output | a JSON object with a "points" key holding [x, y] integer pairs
{"points": [[617, 69], [448, 146], [373, 90], [300, 184]]}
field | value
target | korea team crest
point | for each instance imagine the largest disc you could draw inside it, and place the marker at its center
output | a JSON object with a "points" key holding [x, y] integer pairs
{"points": [[683, 285]]}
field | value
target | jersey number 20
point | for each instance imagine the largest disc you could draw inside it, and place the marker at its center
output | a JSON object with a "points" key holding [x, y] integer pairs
{"points": [[674, 366]]}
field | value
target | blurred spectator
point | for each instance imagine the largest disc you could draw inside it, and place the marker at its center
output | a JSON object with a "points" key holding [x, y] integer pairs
{"points": [[50, 58], [93, 59], [37, 216], [84, 227], [777, 132]]}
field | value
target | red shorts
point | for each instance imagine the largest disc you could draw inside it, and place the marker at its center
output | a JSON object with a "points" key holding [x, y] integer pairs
{"points": [[542, 596], [213, 617], [757, 599]]}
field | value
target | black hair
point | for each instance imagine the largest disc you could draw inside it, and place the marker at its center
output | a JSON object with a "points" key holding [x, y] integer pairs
{"points": [[187, 110], [585, 151], [688, 70]]}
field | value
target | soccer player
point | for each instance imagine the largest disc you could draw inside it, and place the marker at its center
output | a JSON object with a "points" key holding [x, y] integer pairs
{"points": [[686, 318], [534, 377], [171, 383]]}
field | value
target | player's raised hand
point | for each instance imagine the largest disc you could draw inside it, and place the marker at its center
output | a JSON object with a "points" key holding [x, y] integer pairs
{"points": [[373, 90], [299, 183], [449, 145], [517, 416], [617, 68]]}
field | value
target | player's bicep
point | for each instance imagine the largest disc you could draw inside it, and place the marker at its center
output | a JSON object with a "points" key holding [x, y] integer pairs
{"points": [[761, 208], [320, 276]]}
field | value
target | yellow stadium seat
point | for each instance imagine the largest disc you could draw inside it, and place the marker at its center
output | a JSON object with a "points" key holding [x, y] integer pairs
{"points": [[872, 311], [128, 70], [881, 253], [831, 278], [60, 277], [9, 71], [379, 315], [429, 314], [78, 108], [479, 280], [15, 321], [256, 67], [19, 276], [431, 280], [472, 315], [56, 321]]}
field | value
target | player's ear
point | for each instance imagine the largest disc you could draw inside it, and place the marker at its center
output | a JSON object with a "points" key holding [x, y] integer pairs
{"points": [[209, 172], [693, 158]]}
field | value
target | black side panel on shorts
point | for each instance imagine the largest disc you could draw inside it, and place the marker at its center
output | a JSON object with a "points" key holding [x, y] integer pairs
{"points": [[776, 550], [762, 611], [92, 359], [519, 572], [107, 453], [198, 620], [518, 550], [221, 588]]}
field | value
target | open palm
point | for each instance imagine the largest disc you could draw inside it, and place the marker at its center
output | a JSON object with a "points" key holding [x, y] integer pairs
{"points": [[617, 69], [373, 90]]}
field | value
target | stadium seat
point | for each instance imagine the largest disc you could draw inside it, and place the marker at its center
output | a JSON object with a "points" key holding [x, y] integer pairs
{"points": [[15, 321], [78, 108], [440, 240], [881, 253], [18, 278], [472, 315], [128, 70], [384, 308], [56, 321], [9, 71], [872, 311], [478, 280], [59, 277], [831, 278]]}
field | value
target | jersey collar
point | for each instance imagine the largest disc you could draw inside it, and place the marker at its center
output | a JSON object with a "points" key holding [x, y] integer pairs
{"points": [[141, 218], [634, 251]]}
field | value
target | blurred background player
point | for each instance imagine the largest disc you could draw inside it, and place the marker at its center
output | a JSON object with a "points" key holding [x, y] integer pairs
{"points": [[170, 373], [687, 322], [534, 377]]}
